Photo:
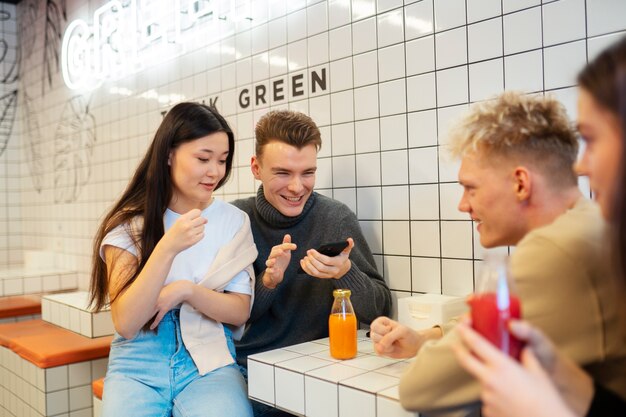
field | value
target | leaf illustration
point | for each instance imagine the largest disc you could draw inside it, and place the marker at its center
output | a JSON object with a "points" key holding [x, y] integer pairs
{"points": [[73, 146], [8, 107], [55, 16], [32, 137], [10, 70], [28, 12]]}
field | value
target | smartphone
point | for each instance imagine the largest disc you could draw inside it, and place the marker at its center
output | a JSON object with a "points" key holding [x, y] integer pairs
{"points": [[329, 249], [332, 249]]}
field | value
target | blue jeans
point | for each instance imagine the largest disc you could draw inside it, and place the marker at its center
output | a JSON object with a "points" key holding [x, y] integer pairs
{"points": [[153, 375]]}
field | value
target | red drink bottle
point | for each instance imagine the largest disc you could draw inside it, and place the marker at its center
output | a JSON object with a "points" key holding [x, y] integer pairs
{"points": [[492, 309]]}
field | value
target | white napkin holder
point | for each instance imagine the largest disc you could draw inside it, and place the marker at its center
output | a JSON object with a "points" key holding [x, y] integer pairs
{"points": [[427, 310]]}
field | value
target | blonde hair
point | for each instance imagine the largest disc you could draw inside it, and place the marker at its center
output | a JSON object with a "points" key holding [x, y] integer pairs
{"points": [[533, 130]]}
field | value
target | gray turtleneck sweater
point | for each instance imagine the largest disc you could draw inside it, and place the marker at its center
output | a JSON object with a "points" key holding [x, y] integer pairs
{"points": [[297, 310]]}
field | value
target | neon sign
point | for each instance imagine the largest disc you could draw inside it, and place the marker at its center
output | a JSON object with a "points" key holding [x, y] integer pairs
{"points": [[129, 35]]}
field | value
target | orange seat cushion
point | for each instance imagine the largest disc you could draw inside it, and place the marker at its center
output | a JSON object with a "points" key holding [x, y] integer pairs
{"points": [[97, 386], [46, 345], [22, 305]]}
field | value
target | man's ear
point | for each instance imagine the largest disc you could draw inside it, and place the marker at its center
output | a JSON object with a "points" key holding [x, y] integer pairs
{"points": [[523, 183], [255, 166]]}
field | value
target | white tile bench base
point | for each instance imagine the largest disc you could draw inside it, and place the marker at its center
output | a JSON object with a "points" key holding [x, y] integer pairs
{"points": [[29, 391], [97, 406]]}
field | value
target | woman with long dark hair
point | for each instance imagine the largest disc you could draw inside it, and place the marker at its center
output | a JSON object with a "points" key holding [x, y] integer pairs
{"points": [[174, 264]]}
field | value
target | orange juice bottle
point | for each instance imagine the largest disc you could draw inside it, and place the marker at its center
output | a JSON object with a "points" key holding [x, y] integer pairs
{"points": [[342, 326]]}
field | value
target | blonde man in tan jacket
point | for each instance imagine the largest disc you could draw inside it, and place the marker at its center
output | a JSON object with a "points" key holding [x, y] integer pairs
{"points": [[517, 154]]}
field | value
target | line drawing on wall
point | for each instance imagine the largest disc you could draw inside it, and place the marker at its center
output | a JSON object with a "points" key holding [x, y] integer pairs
{"points": [[31, 134], [27, 19], [28, 12], [8, 101], [12, 73], [8, 107], [74, 140], [56, 15]]}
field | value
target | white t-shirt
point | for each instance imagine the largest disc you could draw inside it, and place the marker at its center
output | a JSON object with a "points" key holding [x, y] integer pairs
{"points": [[223, 222]]}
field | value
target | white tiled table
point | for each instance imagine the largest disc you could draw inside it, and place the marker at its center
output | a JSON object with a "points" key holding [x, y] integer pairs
{"points": [[305, 380]]}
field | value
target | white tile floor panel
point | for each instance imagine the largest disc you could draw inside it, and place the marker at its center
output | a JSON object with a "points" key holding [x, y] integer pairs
{"points": [[29, 391], [305, 380], [70, 311]]}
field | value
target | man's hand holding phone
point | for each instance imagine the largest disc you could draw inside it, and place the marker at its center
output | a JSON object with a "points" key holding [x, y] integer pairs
{"points": [[328, 261]]}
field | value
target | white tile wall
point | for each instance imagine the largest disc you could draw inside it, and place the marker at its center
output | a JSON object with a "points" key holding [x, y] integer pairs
{"points": [[604, 16], [451, 48], [396, 203], [419, 19], [483, 9], [449, 14], [524, 71], [484, 39], [397, 267], [398, 73], [486, 79], [522, 31]]}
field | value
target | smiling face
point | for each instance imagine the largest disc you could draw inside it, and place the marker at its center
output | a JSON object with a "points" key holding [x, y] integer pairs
{"points": [[196, 168], [601, 131], [489, 197], [287, 174]]}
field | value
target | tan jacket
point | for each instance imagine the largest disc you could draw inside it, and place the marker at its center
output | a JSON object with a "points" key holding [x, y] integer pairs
{"points": [[562, 277], [204, 337]]}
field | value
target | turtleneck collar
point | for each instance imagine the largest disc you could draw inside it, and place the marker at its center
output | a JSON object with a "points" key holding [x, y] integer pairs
{"points": [[275, 217]]}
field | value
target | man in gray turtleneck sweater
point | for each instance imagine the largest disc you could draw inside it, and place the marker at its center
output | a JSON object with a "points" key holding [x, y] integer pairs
{"points": [[289, 220]]}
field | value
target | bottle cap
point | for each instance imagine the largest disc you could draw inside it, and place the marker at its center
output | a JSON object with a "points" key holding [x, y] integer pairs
{"points": [[341, 292]]}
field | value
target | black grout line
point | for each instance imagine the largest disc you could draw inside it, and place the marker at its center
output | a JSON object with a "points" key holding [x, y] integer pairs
{"points": [[543, 54], [408, 148], [438, 152]]}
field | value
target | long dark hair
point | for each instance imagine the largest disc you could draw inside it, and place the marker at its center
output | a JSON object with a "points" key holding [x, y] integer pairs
{"points": [[150, 190], [603, 78], [619, 207]]}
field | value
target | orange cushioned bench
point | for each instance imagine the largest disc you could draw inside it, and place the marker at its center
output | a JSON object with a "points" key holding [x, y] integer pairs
{"points": [[98, 387], [46, 370], [46, 345], [20, 305]]}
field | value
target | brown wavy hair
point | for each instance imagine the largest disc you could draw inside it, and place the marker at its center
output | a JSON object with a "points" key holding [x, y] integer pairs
{"points": [[290, 127]]}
